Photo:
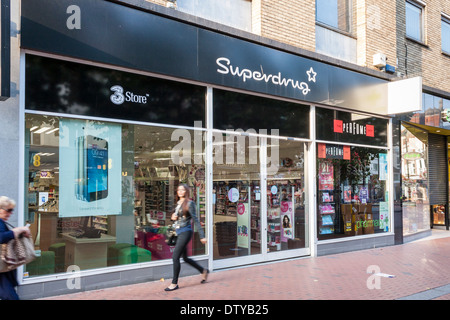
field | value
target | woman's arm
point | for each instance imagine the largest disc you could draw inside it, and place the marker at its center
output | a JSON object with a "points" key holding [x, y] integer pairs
{"points": [[193, 214], [5, 234]]}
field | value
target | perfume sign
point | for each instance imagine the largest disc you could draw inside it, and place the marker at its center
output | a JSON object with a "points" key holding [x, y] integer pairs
{"points": [[331, 151], [353, 128]]}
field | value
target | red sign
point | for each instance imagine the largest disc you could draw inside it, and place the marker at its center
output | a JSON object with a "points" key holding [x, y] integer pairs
{"points": [[322, 150], [346, 152], [370, 130], [338, 126]]}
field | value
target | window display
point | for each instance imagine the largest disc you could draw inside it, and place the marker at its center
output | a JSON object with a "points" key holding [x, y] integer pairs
{"points": [[352, 192], [101, 194]]}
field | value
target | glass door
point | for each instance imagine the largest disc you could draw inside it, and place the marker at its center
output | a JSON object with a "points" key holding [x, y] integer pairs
{"points": [[287, 218], [236, 199], [260, 207]]}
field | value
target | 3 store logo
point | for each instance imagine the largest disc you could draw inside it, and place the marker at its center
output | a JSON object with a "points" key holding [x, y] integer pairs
{"points": [[119, 96]]}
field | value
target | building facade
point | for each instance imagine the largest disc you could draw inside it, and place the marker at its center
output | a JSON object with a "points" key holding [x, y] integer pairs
{"points": [[277, 118]]}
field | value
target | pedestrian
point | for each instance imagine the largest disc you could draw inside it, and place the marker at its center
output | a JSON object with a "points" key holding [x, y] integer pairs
{"points": [[8, 280], [183, 216]]}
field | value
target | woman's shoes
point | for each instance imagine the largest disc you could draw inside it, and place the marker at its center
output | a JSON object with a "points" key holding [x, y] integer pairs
{"points": [[172, 289], [205, 275]]}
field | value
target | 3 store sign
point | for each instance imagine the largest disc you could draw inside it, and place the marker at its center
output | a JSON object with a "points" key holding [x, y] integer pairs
{"points": [[118, 97]]}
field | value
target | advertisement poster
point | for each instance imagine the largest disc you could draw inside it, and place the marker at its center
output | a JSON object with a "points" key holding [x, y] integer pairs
{"points": [[363, 194], [347, 194], [243, 225], [90, 168], [384, 216], [383, 166], [287, 221], [326, 179]]}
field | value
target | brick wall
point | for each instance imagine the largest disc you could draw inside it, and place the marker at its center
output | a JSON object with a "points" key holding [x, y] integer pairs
{"points": [[289, 21], [378, 25]]}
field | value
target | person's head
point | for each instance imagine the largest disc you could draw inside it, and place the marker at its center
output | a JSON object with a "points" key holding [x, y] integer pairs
{"points": [[7, 206], [183, 192]]}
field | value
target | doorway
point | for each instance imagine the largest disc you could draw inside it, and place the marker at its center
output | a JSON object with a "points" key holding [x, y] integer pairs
{"points": [[260, 209]]}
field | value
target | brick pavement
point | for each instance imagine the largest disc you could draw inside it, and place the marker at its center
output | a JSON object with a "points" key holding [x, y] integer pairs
{"points": [[419, 267]]}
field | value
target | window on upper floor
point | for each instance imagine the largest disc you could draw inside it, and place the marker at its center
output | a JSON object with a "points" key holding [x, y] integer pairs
{"points": [[334, 13], [445, 34], [233, 13], [414, 21]]}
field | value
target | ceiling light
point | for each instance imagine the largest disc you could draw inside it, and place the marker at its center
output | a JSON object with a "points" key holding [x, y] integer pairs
{"points": [[41, 130], [53, 130]]}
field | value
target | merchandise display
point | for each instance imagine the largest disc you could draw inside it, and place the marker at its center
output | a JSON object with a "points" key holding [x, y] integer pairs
{"points": [[352, 197], [86, 233]]}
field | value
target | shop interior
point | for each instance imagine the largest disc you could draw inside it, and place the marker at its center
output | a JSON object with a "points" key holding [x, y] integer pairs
{"points": [[149, 182], [352, 193], [237, 202]]}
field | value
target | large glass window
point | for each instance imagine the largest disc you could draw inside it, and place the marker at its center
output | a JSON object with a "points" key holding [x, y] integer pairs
{"points": [[236, 196], [287, 205], [352, 191], [101, 194], [416, 204]]}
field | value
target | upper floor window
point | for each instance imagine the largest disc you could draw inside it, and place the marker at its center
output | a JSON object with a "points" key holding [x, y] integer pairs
{"points": [[414, 21], [445, 34], [334, 13], [233, 13]]}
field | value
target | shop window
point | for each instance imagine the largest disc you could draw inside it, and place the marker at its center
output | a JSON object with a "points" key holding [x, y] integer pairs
{"points": [[101, 194], [415, 191], [352, 191]]}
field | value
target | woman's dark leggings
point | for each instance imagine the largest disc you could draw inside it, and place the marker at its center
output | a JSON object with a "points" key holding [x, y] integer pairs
{"points": [[181, 251]]}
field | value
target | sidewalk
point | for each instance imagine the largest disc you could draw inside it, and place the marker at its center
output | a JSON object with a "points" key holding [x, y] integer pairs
{"points": [[421, 270]]}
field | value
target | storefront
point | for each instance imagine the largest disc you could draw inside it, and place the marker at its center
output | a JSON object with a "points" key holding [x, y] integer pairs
{"points": [[283, 158], [425, 167]]}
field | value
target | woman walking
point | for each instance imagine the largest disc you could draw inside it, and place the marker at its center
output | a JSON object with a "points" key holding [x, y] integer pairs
{"points": [[8, 280], [183, 215]]}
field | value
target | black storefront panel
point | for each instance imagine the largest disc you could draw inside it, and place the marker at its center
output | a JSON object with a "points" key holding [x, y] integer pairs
{"points": [[235, 110], [115, 34], [346, 127], [67, 87]]}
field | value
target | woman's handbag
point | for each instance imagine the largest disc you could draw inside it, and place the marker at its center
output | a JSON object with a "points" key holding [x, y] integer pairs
{"points": [[171, 236], [16, 252]]}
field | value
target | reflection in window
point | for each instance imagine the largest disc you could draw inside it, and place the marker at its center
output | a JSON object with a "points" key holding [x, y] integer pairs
{"points": [[414, 155]]}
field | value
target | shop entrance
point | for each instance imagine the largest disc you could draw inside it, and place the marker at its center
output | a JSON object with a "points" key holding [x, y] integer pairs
{"points": [[259, 200], [425, 177]]}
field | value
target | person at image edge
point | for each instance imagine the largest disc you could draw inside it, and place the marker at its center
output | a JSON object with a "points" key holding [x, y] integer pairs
{"points": [[8, 280]]}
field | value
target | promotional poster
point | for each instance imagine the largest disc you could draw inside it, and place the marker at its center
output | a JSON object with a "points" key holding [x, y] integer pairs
{"points": [[89, 168]]}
